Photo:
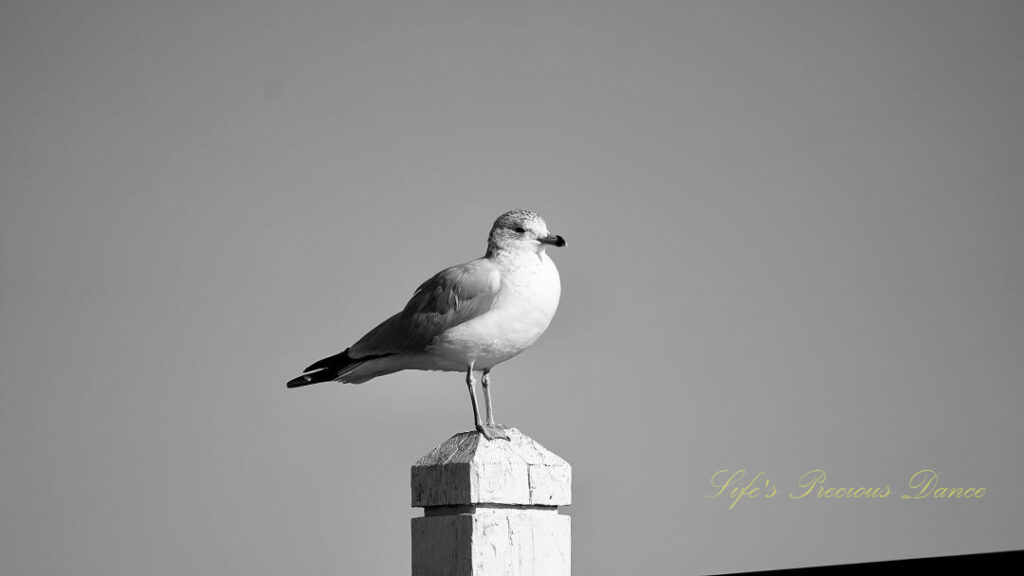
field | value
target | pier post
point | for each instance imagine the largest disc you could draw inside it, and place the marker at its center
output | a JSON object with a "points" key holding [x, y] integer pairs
{"points": [[490, 508]]}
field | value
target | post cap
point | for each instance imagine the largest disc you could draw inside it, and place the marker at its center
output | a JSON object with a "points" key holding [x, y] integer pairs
{"points": [[468, 469]]}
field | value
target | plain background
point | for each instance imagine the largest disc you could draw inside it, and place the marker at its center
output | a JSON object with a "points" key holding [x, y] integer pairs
{"points": [[795, 240]]}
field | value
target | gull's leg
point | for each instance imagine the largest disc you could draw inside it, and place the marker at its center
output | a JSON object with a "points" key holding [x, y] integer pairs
{"points": [[490, 431], [471, 383], [485, 379]]}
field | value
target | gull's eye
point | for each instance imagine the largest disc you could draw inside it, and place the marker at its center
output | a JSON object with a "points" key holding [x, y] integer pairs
{"points": [[520, 230]]}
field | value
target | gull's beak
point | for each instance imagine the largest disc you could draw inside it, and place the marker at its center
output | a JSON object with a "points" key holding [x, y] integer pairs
{"points": [[552, 239]]}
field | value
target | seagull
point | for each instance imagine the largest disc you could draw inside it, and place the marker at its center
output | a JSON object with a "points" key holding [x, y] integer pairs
{"points": [[469, 317]]}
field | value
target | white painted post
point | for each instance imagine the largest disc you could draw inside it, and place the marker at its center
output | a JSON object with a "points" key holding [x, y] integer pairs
{"points": [[490, 508]]}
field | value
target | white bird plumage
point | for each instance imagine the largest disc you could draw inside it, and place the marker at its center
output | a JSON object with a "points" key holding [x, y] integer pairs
{"points": [[469, 317]]}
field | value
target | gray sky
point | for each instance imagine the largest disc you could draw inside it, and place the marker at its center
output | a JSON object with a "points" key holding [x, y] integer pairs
{"points": [[794, 242]]}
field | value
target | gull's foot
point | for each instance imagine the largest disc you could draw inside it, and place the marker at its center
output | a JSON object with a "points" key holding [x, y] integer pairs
{"points": [[492, 432]]}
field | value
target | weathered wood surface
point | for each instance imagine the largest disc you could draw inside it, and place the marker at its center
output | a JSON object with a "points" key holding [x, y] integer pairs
{"points": [[492, 543], [469, 469], [491, 509]]}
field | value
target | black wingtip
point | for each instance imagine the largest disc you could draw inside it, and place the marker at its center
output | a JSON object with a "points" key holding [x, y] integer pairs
{"points": [[307, 379], [330, 368], [322, 370]]}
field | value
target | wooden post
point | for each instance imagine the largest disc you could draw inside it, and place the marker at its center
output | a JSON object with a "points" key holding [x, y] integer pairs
{"points": [[491, 508]]}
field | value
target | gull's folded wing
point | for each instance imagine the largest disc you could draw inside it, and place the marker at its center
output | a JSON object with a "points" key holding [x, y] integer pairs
{"points": [[451, 297]]}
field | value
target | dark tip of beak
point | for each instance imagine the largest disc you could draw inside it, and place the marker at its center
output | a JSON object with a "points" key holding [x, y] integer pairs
{"points": [[553, 239]]}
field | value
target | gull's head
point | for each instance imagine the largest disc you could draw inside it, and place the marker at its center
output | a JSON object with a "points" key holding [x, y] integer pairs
{"points": [[521, 230]]}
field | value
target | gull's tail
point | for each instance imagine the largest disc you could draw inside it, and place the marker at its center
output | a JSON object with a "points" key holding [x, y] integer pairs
{"points": [[338, 367]]}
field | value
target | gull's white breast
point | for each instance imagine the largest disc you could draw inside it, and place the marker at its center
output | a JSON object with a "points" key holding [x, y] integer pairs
{"points": [[523, 309]]}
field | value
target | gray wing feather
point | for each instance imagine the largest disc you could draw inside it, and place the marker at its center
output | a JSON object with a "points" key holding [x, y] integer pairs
{"points": [[451, 297]]}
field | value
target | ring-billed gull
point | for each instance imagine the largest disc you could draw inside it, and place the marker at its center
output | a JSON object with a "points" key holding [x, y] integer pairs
{"points": [[468, 317]]}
